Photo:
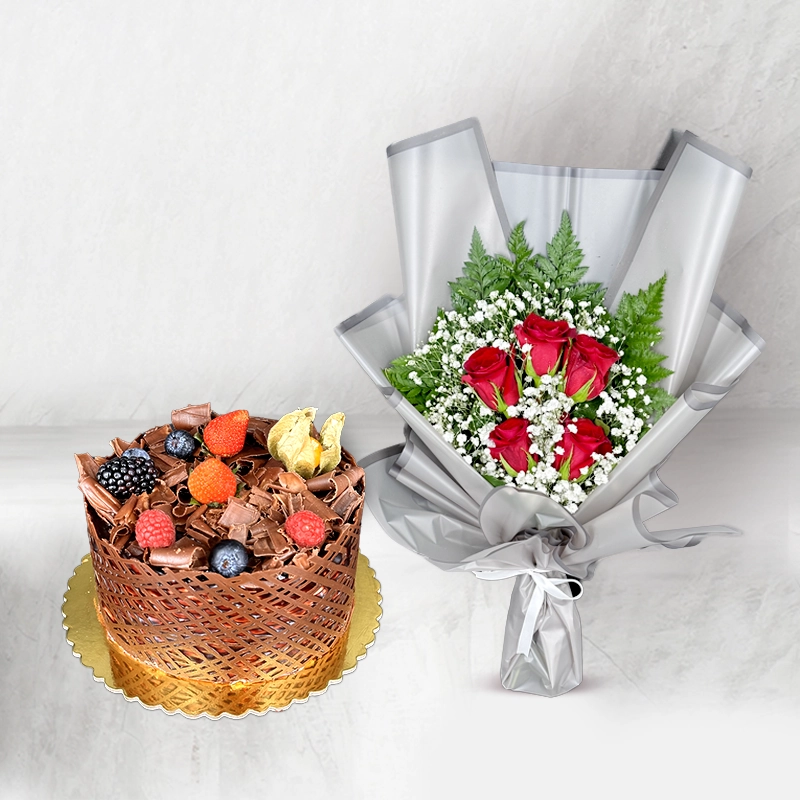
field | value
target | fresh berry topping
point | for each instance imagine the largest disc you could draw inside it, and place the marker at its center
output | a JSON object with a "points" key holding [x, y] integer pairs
{"points": [[212, 482], [154, 528], [224, 436], [229, 558], [136, 452], [126, 476], [180, 444], [306, 528]]}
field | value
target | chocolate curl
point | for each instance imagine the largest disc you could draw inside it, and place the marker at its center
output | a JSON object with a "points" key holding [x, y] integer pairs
{"points": [[177, 474], [162, 494], [238, 513], [126, 516], [190, 418], [119, 445], [165, 462], [291, 481], [260, 499], [290, 503], [239, 533], [273, 543], [354, 474], [183, 554], [259, 429], [87, 466], [302, 560], [312, 503], [99, 498], [154, 438], [346, 503], [268, 475]]}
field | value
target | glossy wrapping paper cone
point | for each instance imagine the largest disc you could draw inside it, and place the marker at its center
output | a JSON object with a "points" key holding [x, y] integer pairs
{"points": [[633, 225]]}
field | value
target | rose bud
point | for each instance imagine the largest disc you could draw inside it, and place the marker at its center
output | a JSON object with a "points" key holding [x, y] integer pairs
{"points": [[492, 374], [587, 366], [578, 447], [547, 340], [512, 445]]}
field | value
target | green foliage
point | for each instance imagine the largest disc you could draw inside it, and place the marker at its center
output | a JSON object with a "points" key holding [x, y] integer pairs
{"points": [[636, 323], [561, 270]]}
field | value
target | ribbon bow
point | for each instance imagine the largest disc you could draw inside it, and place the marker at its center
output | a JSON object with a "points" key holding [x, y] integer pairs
{"points": [[543, 585]]}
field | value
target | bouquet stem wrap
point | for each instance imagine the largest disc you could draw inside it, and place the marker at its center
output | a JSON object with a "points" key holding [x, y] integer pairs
{"points": [[425, 495]]}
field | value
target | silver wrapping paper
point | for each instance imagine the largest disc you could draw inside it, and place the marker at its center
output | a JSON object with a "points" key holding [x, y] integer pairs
{"points": [[629, 222]]}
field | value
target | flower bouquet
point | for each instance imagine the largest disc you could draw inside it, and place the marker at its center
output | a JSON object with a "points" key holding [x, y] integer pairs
{"points": [[542, 388]]}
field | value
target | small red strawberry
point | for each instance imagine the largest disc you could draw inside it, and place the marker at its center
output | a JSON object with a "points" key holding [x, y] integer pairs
{"points": [[154, 528], [224, 435], [306, 528], [212, 482]]}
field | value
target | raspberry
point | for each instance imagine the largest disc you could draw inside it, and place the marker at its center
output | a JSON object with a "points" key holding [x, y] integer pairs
{"points": [[212, 482], [224, 436], [306, 528], [154, 528]]}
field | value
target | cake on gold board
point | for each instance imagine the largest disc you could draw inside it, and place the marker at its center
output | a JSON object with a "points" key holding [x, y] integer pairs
{"points": [[224, 548]]}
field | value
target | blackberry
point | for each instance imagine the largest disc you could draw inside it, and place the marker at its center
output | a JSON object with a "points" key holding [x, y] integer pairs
{"points": [[229, 558], [126, 476], [136, 452], [180, 444]]}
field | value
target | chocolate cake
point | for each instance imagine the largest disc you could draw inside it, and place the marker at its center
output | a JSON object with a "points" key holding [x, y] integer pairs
{"points": [[294, 514]]}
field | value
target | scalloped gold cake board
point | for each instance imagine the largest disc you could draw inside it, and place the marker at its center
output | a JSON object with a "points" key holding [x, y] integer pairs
{"points": [[155, 689]]}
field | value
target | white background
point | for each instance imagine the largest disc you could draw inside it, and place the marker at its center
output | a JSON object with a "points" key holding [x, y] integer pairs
{"points": [[193, 194]]}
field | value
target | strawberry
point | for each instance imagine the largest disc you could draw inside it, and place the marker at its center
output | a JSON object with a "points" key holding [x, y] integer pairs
{"points": [[212, 482], [224, 435]]}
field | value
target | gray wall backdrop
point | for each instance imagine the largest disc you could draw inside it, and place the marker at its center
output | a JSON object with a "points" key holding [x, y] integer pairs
{"points": [[193, 194]]}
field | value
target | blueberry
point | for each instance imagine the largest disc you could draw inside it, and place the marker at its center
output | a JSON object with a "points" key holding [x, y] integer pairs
{"points": [[229, 558], [136, 452], [180, 444]]}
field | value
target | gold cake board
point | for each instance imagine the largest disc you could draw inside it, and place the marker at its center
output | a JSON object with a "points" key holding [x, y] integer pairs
{"points": [[153, 688]]}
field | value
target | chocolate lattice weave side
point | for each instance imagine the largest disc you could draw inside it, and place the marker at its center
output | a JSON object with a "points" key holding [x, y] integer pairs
{"points": [[199, 625]]}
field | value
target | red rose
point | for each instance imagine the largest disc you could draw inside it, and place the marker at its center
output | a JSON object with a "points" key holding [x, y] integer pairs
{"points": [[547, 340], [491, 372], [579, 446], [588, 363], [512, 443]]}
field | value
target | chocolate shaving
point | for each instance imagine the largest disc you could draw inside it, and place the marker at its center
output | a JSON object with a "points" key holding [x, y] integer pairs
{"points": [[87, 466], [259, 429], [119, 446], [238, 513], [190, 418], [155, 436], [291, 481], [340, 484], [177, 474], [162, 494], [165, 462], [100, 499], [183, 554], [239, 533], [321, 483], [202, 527], [354, 474], [268, 475], [346, 503], [275, 543], [302, 560], [126, 515], [321, 509]]}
